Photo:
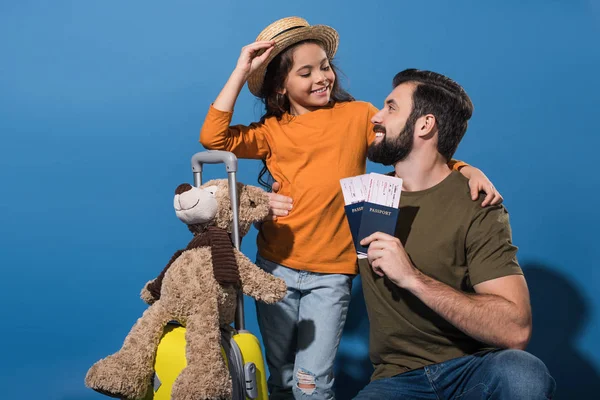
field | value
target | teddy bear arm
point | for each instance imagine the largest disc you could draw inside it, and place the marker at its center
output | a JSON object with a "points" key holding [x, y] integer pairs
{"points": [[146, 294], [257, 283], [151, 291]]}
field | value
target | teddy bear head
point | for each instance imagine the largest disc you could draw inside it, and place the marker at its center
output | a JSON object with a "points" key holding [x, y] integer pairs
{"points": [[209, 205]]}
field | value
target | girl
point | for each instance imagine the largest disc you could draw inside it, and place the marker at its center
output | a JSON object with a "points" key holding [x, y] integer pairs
{"points": [[313, 134]]}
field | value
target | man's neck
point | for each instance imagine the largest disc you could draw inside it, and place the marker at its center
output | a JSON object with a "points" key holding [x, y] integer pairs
{"points": [[421, 173]]}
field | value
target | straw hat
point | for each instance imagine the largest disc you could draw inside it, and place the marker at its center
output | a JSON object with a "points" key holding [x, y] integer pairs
{"points": [[286, 32]]}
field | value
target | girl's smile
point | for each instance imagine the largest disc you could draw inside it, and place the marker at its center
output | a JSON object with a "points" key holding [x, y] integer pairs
{"points": [[309, 83], [324, 91]]}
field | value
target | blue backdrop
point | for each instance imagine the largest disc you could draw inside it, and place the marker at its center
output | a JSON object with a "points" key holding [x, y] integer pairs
{"points": [[100, 108]]}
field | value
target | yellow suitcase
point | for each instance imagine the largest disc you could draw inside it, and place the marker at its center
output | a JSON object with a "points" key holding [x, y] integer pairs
{"points": [[241, 351], [240, 348]]}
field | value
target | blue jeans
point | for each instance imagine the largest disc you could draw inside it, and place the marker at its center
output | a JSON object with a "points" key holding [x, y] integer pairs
{"points": [[302, 332], [501, 374]]}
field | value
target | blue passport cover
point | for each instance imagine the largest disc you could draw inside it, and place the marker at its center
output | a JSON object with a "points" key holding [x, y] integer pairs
{"points": [[354, 215], [367, 218]]}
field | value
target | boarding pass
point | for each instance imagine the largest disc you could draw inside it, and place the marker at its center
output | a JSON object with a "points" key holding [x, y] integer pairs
{"points": [[375, 188]]}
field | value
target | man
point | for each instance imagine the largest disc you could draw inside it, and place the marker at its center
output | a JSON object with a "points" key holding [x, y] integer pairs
{"points": [[447, 301]]}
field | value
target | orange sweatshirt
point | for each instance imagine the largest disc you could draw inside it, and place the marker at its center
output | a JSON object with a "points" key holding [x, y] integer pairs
{"points": [[308, 155]]}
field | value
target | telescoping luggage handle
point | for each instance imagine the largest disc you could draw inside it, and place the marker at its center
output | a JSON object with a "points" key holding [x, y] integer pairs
{"points": [[231, 165]]}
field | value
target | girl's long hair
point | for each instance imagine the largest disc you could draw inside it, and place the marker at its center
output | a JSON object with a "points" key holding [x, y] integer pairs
{"points": [[277, 104]]}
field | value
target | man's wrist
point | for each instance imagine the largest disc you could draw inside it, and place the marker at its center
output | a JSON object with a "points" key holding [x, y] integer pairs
{"points": [[415, 282]]}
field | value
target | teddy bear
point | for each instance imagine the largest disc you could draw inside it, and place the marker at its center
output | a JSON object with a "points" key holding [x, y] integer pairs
{"points": [[198, 288]]}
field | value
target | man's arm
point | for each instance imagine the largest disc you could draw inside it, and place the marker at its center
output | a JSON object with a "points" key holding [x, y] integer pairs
{"points": [[498, 313]]}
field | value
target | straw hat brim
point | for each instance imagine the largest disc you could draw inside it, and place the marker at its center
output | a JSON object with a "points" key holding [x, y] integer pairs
{"points": [[322, 33]]}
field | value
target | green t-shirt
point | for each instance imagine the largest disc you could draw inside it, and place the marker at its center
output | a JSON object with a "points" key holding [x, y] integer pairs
{"points": [[452, 239]]}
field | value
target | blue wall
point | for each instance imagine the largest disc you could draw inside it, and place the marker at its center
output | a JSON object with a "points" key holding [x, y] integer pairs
{"points": [[100, 107]]}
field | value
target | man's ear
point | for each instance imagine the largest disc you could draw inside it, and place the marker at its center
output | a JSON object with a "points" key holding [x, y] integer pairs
{"points": [[425, 125]]}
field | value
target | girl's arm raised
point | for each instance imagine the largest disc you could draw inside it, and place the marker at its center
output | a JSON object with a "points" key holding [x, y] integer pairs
{"points": [[251, 57], [216, 133]]}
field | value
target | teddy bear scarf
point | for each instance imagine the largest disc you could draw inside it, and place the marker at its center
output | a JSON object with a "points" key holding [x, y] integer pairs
{"points": [[223, 258]]}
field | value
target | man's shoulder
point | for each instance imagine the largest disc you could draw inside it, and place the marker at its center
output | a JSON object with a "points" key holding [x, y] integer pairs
{"points": [[465, 196], [456, 195], [470, 214], [456, 189]]}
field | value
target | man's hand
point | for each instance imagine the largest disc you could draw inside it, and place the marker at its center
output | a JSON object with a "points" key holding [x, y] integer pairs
{"points": [[478, 182], [279, 205], [387, 257]]}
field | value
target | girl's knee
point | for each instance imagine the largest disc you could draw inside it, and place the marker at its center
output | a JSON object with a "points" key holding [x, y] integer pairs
{"points": [[310, 386], [306, 381]]}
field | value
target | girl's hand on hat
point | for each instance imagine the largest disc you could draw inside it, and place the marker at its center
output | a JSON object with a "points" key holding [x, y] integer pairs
{"points": [[253, 56]]}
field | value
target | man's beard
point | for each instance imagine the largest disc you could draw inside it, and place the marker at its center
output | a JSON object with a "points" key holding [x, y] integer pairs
{"points": [[389, 152]]}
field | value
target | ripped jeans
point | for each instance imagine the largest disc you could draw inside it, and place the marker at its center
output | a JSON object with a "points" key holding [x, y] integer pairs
{"points": [[302, 332]]}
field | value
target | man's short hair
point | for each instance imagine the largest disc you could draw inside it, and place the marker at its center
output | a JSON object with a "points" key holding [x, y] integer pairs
{"points": [[444, 98]]}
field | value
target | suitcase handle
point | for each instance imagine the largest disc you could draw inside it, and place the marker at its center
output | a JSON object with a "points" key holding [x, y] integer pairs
{"points": [[231, 165], [214, 157]]}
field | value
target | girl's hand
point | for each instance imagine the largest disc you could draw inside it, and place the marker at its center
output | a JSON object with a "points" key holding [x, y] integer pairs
{"points": [[478, 182], [253, 56], [279, 205]]}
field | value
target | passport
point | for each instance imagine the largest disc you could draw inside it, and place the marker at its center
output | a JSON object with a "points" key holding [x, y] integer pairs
{"points": [[366, 218], [372, 202]]}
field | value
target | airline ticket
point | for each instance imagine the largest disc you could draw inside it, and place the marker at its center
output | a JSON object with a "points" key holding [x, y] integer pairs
{"points": [[375, 188]]}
